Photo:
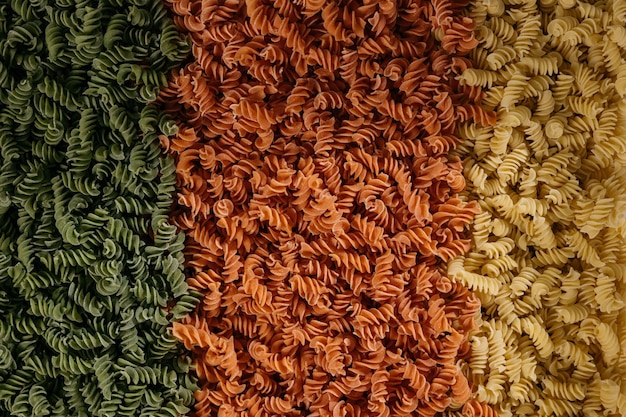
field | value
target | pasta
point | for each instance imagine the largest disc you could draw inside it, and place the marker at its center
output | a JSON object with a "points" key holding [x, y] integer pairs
{"points": [[381, 208], [547, 249], [91, 269], [320, 205]]}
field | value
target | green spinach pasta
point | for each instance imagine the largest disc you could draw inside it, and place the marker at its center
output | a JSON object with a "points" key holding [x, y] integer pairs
{"points": [[91, 269]]}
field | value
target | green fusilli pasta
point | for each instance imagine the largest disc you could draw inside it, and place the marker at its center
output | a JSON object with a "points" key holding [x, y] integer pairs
{"points": [[90, 268]]}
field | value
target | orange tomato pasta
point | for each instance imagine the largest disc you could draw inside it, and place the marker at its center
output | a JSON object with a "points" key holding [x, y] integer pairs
{"points": [[320, 205]]}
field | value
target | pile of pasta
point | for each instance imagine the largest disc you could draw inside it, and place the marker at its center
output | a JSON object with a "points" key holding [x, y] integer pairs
{"points": [[331, 208], [320, 204], [549, 246], [90, 267]]}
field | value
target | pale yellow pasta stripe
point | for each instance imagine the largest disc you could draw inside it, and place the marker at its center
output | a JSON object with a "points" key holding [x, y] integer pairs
{"points": [[549, 249]]}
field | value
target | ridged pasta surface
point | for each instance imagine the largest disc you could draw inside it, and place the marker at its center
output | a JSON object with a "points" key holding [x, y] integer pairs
{"points": [[382, 208], [320, 205], [548, 250], [90, 265]]}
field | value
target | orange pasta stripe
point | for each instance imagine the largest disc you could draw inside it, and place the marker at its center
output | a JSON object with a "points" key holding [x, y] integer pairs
{"points": [[320, 205]]}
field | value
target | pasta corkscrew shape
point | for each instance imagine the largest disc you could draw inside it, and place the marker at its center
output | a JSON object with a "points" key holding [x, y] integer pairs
{"points": [[320, 204]]}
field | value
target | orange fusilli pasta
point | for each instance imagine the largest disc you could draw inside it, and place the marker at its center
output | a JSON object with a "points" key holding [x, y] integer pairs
{"points": [[320, 205]]}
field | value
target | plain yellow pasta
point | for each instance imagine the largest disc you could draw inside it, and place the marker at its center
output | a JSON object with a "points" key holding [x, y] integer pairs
{"points": [[549, 249]]}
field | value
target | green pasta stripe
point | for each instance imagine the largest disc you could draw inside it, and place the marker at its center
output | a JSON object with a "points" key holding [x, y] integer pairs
{"points": [[90, 268]]}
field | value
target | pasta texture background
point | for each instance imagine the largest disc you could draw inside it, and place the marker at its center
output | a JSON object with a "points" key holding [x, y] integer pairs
{"points": [[91, 269], [320, 205], [382, 208], [549, 249]]}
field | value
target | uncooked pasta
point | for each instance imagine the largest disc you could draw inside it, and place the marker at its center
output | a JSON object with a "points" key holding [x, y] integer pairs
{"points": [[549, 246], [320, 205], [324, 208], [91, 269]]}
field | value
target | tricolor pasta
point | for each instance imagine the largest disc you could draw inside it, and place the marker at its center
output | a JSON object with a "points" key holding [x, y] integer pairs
{"points": [[318, 154]]}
